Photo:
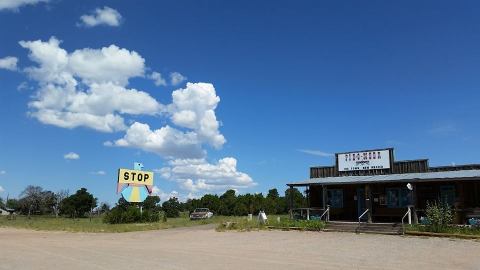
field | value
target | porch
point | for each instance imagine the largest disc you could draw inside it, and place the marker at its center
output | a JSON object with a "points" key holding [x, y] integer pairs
{"points": [[386, 198]]}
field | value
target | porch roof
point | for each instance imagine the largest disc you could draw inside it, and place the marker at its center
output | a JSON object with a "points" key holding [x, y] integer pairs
{"points": [[461, 175]]}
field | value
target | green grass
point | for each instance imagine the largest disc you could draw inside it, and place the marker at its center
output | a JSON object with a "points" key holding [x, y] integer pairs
{"points": [[457, 230], [242, 224], [96, 225]]}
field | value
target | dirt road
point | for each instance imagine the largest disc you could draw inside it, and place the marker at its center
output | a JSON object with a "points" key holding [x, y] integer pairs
{"points": [[203, 248]]}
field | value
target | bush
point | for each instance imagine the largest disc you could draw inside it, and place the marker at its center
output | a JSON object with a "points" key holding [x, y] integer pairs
{"points": [[130, 214], [171, 208], [439, 215]]}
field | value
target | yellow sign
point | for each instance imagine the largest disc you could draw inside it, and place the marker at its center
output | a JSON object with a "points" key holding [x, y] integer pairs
{"points": [[126, 176]]}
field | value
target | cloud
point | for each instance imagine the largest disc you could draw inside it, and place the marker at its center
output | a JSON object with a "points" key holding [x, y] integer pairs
{"points": [[23, 86], [71, 156], [89, 88], [15, 4], [86, 87], [315, 153], [108, 64], [101, 16], [194, 107], [164, 196], [2, 172], [166, 141], [157, 78], [177, 78], [9, 63], [200, 176], [2, 189]]}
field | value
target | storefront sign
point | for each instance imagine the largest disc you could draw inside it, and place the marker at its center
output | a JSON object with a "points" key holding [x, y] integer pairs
{"points": [[367, 160]]}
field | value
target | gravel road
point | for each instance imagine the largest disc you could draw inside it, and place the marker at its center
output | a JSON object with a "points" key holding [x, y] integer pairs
{"points": [[203, 248]]}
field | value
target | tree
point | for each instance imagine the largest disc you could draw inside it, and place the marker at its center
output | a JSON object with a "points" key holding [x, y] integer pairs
{"points": [[78, 204], [151, 203], [274, 204], [211, 202], [192, 204], [228, 200], [171, 208], [31, 198], [122, 203], [48, 201], [59, 197], [12, 204], [104, 207], [298, 199]]}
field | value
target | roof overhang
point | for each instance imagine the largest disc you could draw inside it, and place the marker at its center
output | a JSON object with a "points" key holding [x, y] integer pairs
{"points": [[463, 175]]}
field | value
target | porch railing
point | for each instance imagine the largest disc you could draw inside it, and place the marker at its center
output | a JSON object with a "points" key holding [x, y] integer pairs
{"points": [[326, 213], [309, 213], [361, 216], [360, 219], [409, 214]]}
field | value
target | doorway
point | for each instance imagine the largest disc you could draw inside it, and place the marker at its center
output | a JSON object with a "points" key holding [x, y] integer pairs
{"points": [[361, 207]]}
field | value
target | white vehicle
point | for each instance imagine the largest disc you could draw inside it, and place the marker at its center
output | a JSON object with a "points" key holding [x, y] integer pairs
{"points": [[201, 213]]}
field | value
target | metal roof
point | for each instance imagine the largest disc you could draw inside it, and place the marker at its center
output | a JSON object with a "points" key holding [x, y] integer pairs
{"points": [[392, 178]]}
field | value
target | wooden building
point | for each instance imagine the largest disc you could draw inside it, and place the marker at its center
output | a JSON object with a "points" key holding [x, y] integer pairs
{"points": [[373, 185]]}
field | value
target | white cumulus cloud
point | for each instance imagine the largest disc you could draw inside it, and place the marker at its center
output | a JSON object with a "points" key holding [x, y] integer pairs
{"points": [[2, 189], [15, 4], [158, 79], [71, 156], [166, 141], [101, 16], [177, 78], [164, 196], [86, 87], [9, 63], [90, 88], [200, 176], [194, 107]]}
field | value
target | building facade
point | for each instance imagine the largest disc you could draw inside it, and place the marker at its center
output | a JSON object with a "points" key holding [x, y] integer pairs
{"points": [[372, 184]]}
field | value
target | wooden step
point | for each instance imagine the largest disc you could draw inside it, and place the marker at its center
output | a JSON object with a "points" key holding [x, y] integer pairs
{"points": [[378, 228]]}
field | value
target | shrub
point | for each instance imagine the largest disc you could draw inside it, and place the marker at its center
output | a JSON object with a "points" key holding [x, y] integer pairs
{"points": [[439, 215], [171, 208], [130, 214]]}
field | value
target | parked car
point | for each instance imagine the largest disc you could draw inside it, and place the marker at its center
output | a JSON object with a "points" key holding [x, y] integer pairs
{"points": [[201, 213]]}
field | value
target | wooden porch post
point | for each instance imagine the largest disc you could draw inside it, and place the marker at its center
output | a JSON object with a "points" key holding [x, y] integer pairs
{"points": [[414, 203], [324, 197], [459, 203], [368, 202], [290, 201]]}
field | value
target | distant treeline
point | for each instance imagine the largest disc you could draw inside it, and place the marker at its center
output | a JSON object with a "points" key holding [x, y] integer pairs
{"points": [[34, 200], [230, 204]]}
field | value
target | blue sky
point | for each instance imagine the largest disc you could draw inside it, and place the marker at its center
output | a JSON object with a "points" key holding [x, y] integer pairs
{"points": [[266, 89]]}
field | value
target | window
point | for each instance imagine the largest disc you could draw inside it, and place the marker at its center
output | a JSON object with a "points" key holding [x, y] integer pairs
{"points": [[335, 198], [398, 197], [447, 195]]}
